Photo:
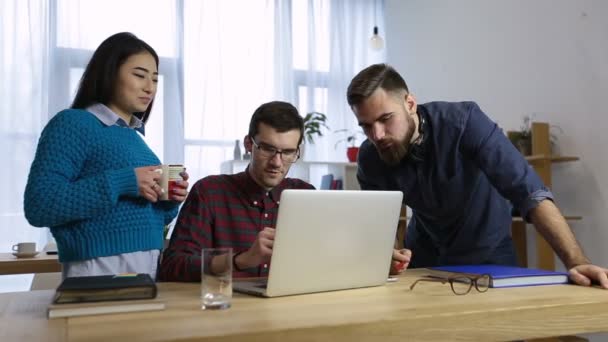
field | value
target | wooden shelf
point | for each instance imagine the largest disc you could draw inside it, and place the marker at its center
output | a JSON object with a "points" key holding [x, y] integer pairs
{"points": [[568, 218], [541, 160], [553, 159], [308, 171]]}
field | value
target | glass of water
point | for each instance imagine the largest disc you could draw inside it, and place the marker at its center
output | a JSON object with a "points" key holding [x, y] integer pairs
{"points": [[216, 278]]}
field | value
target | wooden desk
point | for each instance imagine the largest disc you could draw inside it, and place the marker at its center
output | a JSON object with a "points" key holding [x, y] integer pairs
{"points": [[41, 263], [388, 313]]}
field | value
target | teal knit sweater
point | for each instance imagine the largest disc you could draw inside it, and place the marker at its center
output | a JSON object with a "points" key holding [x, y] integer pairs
{"points": [[82, 185]]}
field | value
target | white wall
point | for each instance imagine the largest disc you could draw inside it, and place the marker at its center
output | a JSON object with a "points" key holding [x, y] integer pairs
{"points": [[515, 58]]}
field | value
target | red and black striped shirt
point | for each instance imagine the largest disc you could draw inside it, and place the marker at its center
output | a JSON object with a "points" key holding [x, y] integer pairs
{"points": [[221, 211]]}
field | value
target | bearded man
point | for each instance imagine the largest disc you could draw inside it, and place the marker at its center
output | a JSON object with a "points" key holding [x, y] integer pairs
{"points": [[459, 174]]}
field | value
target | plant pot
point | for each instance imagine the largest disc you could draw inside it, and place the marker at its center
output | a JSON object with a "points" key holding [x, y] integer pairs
{"points": [[352, 153]]}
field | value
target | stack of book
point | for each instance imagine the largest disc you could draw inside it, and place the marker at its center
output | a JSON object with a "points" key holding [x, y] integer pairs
{"points": [[328, 182]]}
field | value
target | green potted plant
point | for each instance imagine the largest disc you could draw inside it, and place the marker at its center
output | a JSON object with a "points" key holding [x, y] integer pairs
{"points": [[352, 150], [314, 123], [522, 139]]}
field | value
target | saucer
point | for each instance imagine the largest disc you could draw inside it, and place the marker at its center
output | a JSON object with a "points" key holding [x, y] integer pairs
{"points": [[25, 255]]}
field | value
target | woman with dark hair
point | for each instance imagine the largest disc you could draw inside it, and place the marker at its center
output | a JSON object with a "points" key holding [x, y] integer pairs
{"points": [[94, 181]]}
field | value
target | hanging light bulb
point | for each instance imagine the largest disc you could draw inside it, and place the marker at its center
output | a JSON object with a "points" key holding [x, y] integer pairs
{"points": [[376, 42]]}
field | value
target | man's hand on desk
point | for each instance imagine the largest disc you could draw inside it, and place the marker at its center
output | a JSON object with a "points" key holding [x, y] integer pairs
{"points": [[589, 274], [260, 252], [401, 259]]}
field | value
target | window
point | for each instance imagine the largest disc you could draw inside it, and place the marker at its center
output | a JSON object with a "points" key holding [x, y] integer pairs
{"points": [[233, 65], [228, 72], [311, 52], [74, 47], [217, 65]]}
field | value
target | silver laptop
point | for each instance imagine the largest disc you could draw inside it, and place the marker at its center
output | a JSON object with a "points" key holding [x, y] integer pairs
{"points": [[330, 240]]}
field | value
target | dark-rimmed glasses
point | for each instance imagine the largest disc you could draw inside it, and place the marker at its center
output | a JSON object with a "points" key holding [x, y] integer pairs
{"points": [[461, 284], [268, 151]]}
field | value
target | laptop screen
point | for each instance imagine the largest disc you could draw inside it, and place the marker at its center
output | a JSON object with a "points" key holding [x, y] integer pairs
{"points": [[329, 240]]}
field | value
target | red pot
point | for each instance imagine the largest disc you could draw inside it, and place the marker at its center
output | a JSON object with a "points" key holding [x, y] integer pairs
{"points": [[352, 153]]}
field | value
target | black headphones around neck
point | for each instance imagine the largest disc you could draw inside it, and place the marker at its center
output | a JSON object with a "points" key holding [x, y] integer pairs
{"points": [[417, 150]]}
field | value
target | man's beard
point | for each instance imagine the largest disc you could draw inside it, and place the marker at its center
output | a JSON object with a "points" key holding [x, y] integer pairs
{"points": [[394, 154]]}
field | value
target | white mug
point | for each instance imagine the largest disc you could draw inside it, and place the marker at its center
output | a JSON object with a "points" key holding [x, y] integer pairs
{"points": [[25, 247]]}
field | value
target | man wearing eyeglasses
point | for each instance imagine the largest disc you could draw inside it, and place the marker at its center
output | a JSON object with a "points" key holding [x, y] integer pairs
{"points": [[456, 170], [239, 210]]}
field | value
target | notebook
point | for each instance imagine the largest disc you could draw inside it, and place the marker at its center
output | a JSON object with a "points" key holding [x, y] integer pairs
{"points": [[506, 276], [101, 308], [326, 181], [330, 240], [105, 288]]}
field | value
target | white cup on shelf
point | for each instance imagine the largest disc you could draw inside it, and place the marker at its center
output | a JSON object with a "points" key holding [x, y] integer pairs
{"points": [[25, 247]]}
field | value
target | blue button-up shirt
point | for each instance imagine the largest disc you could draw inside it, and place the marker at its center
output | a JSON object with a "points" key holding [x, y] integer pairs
{"points": [[458, 183]]}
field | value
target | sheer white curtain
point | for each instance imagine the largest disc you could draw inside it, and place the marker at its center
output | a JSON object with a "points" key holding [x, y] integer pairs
{"points": [[336, 40], [229, 60], [24, 78]]}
